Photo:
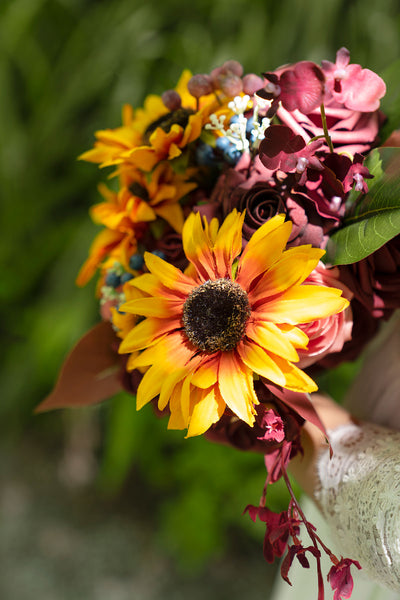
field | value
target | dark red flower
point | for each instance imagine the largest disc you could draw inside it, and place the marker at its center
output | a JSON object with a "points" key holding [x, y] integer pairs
{"points": [[356, 175], [285, 150], [341, 579], [273, 426], [375, 280], [279, 526]]}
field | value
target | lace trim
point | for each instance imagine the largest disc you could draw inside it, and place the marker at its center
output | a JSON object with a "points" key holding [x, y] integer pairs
{"points": [[359, 495]]}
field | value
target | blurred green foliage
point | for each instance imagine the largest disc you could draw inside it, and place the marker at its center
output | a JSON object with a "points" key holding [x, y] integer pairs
{"points": [[66, 68]]}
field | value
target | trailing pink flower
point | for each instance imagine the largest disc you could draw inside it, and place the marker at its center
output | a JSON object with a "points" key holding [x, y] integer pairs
{"points": [[341, 579]]}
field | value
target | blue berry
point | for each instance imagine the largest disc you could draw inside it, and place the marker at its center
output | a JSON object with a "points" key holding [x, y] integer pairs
{"points": [[234, 119], [112, 279], [159, 253], [205, 155], [232, 155], [126, 277], [222, 143], [136, 262]]}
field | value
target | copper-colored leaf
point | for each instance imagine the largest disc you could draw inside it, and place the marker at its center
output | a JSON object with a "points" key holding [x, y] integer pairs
{"points": [[91, 371]]}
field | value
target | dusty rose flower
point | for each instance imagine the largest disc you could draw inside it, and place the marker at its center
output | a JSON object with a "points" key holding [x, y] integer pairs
{"points": [[351, 107], [330, 334], [352, 86]]}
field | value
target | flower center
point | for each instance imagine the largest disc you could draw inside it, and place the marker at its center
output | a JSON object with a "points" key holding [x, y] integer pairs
{"points": [[215, 315], [176, 117]]}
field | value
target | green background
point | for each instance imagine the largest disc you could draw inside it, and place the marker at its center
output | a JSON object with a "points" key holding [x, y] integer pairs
{"points": [[66, 68]]}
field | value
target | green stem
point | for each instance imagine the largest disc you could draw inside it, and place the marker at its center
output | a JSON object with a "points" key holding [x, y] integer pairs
{"points": [[325, 128]]}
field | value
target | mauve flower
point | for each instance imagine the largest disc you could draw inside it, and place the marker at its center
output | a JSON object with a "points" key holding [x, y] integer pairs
{"points": [[351, 107], [352, 86], [330, 334], [375, 280]]}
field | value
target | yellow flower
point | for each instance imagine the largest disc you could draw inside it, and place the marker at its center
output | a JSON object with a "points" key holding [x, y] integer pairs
{"points": [[139, 200], [153, 133], [209, 331]]}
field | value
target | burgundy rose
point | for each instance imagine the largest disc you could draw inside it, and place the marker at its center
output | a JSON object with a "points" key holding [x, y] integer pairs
{"points": [[375, 280]]}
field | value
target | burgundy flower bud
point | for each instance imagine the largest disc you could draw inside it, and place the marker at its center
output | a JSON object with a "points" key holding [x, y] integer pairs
{"points": [[200, 85], [171, 100], [252, 83]]}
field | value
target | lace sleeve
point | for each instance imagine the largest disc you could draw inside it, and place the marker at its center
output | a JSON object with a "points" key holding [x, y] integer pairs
{"points": [[359, 494]]}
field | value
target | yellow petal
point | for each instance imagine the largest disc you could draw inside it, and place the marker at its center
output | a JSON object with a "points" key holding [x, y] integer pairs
{"points": [[162, 308], [259, 361], [303, 304], [176, 420], [168, 275], [168, 385], [271, 338], [296, 379], [149, 386], [207, 410], [260, 256], [206, 375], [292, 269], [236, 387], [228, 243], [196, 245]]}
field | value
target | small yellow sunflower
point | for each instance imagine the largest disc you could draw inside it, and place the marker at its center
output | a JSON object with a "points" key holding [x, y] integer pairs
{"points": [[210, 330], [153, 133], [139, 200]]}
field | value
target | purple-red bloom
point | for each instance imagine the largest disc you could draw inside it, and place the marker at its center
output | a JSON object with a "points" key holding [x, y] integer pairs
{"points": [[299, 86], [279, 526], [273, 426], [341, 579]]}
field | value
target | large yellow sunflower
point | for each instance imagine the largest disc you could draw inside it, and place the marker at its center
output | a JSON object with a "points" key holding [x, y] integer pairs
{"points": [[209, 331]]}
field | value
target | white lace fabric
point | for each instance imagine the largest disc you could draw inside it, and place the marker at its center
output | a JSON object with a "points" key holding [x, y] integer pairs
{"points": [[359, 495]]}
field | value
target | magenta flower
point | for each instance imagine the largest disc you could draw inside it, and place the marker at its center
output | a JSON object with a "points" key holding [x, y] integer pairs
{"points": [[272, 424], [299, 86], [279, 526], [341, 579], [356, 175], [352, 86]]}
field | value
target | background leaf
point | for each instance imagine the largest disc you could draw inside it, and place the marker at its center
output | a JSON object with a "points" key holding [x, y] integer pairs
{"points": [[375, 219]]}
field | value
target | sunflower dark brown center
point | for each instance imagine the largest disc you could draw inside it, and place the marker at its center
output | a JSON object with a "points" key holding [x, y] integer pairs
{"points": [[175, 117], [215, 315]]}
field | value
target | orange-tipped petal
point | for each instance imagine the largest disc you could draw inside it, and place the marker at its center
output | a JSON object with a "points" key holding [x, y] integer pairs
{"points": [[270, 337], [303, 304], [207, 411], [259, 361], [236, 387]]}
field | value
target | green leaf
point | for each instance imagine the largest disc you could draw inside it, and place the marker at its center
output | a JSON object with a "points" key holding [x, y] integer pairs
{"points": [[375, 219]]}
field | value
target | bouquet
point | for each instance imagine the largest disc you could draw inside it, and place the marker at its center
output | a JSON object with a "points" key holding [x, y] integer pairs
{"points": [[249, 242]]}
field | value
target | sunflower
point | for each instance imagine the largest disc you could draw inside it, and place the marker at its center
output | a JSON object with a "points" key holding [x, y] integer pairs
{"points": [[139, 200], [153, 133], [209, 331]]}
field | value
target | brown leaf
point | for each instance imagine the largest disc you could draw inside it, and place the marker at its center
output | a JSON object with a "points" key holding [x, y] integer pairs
{"points": [[90, 373]]}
